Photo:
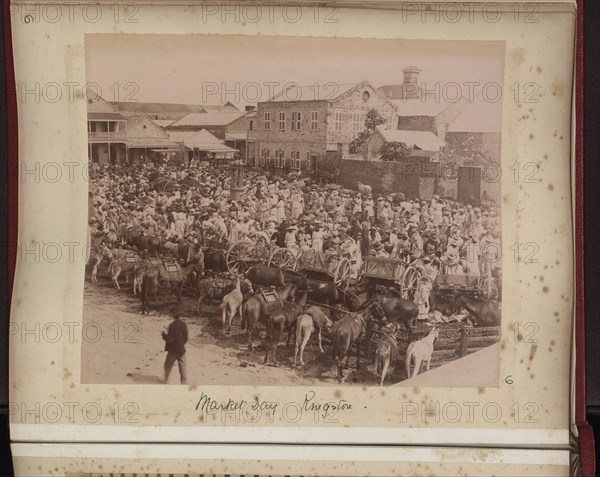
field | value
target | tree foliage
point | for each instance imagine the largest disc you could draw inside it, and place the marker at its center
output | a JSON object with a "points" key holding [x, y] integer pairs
{"points": [[394, 151], [373, 118], [465, 150]]}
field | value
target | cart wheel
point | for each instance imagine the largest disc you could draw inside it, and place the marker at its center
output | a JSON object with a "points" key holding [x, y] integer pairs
{"points": [[238, 257], [409, 283], [283, 258], [342, 277]]}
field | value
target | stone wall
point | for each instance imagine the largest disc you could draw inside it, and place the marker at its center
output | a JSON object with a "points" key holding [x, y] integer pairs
{"points": [[411, 179]]}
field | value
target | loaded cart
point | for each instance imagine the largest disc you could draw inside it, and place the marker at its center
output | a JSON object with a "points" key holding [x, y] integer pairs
{"points": [[393, 274]]}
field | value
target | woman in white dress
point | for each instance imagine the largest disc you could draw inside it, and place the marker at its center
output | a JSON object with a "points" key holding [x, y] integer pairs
{"points": [[290, 239], [296, 210], [280, 210], [318, 237], [357, 207]]}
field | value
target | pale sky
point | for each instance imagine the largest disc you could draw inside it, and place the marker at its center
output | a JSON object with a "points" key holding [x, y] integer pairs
{"points": [[178, 68]]}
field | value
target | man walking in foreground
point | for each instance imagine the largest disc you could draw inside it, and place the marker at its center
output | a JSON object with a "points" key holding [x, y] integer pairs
{"points": [[175, 339]]}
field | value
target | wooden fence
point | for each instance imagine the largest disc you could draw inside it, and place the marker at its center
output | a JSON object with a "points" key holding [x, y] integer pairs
{"points": [[455, 340]]}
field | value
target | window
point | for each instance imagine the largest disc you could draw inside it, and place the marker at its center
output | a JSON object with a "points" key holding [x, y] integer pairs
{"points": [[267, 118], [307, 161], [279, 158], [282, 121], [337, 125], [357, 122], [297, 160], [297, 121], [314, 120], [251, 125], [265, 156]]}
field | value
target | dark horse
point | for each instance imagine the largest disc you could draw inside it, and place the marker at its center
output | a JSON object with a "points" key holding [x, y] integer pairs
{"points": [[331, 295], [350, 330], [140, 241], [398, 309], [486, 313], [280, 319], [215, 260], [446, 304], [261, 274]]}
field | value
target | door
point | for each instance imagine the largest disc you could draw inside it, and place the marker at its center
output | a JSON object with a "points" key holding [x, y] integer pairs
{"points": [[469, 184]]}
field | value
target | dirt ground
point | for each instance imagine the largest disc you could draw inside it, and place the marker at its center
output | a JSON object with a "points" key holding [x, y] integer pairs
{"points": [[122, 346]]}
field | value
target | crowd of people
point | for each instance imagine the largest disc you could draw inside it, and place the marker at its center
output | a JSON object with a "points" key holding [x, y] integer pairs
{"points": [[437, 235]]}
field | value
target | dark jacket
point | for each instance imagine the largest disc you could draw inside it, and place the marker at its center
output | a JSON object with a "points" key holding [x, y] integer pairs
{"points": [[176, 337]]}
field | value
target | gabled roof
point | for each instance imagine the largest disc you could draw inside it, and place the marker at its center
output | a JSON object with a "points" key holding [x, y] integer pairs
{"points": [[207, 119], [316, 92], [415, 139], [97, 104], [181, 110], [143, 127], [397, 91], [324, 92], [202, 140]]}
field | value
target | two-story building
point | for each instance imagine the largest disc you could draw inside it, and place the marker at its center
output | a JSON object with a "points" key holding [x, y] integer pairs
{"points": [[107, 132], [298, 127]]}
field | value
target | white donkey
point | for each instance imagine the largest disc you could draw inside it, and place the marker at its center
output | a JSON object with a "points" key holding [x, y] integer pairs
{"points": [[232, 303], [421, 350]]}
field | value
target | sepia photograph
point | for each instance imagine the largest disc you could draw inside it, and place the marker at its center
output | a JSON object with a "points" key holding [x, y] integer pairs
{"points": [[298, 233], [292, 211]]}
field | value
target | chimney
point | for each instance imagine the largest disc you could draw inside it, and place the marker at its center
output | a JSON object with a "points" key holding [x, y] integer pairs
{"points": [[410, 84], [250, 108]]}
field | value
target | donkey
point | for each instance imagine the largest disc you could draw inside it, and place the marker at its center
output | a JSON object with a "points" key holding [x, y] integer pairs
{"points": [[387, 351], [279, 319], [350, 330], [232, 303], [255, 307], [312, 319], [421, 350]]}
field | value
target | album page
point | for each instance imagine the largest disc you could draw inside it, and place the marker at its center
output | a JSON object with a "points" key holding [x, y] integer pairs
{"points": [[298, 223], [130, 460]]}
